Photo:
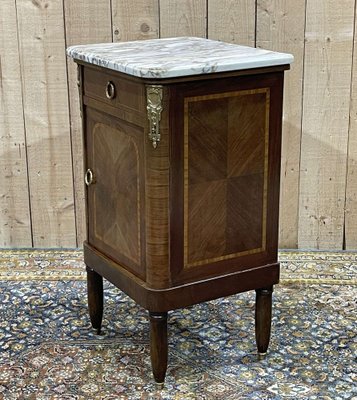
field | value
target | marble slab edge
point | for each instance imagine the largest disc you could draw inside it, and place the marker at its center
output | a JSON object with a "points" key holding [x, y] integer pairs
{"points": [[175, 57]]}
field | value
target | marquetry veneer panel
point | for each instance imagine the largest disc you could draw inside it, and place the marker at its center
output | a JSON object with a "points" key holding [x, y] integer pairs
{"points": [[115, 197], [226, 140]]}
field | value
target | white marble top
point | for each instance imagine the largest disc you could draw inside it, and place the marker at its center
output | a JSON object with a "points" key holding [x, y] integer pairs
{"points": [[174, 57]]}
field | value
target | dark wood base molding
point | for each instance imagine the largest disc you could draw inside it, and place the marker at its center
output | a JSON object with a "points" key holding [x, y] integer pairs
{"points": [[160, 300]]}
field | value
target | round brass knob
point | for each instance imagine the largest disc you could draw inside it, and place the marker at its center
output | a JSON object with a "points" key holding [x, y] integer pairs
{"points": [[88, 177], [110, 90]]}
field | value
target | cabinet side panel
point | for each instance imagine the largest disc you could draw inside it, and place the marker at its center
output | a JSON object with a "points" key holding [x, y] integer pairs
{"points": [[225, 166], [225, 178]]}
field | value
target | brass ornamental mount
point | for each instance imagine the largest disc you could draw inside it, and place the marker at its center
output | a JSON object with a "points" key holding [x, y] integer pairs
{"points": [[154, 109]]}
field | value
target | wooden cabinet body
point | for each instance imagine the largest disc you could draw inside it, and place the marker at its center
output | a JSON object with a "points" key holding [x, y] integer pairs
{"points": [[192, 214], [182, 140], [195, 218]]}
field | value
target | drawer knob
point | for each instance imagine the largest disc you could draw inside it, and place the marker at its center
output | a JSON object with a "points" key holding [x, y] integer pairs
{"points": [[110, 90], [88, 177]]}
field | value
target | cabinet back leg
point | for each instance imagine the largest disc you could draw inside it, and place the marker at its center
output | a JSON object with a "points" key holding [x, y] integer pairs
{"points": [[158, 345], [95, 298], [263, 307]]}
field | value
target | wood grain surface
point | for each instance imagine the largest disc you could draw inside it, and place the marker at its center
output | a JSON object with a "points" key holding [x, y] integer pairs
{"points": [[15, 223], [225, 175], [117, 193], [183, 18], [116, 197], [327, 81], [135, 19], [281, 27], [232, 21], [210, 218], [46, 111], [157, 192]]}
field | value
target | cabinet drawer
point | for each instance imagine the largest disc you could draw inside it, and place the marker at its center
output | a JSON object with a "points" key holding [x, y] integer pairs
{"points": [[111, 89]]}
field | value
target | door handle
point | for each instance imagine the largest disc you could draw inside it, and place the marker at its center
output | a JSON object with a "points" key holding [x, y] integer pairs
{"points": [[110, 90], [89, 177]]}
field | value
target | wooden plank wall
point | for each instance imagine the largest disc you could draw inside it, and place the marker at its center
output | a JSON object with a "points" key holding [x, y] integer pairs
{"points": [[41, 171], [326, 103], [15, 222]]}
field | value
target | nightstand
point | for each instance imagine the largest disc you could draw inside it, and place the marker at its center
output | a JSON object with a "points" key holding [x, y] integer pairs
{"points": [[182, 140]]}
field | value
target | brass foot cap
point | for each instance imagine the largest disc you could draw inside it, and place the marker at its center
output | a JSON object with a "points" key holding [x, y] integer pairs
{"points": [[261, 356], [159, 385]]}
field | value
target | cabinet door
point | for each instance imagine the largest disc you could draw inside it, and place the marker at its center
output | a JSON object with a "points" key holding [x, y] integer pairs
{"points": [[115, 199], [227, 153]]}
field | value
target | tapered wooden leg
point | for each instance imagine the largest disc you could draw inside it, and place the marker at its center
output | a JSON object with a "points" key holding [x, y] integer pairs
{"points": [[263, 305], [95, 298], [158, 345]]}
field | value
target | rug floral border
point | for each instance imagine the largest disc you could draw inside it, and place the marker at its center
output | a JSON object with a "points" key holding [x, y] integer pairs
{"points": [[322, 267]]}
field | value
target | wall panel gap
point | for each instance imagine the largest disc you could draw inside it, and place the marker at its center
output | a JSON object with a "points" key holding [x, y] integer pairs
{"points": [[75, 199], [302, 118], [350, 207]]}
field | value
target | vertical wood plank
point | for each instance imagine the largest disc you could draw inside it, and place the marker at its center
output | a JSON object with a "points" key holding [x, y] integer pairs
{"points": [[85, 23], [327, 79], [45, 97], [183, 18], [15, 224], [281, 27], [351, 188], [135, 19], [232, 21]]}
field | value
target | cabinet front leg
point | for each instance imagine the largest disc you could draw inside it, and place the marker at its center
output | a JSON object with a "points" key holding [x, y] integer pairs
{"points": [[158, 345], [95, 298], [263, 306]]}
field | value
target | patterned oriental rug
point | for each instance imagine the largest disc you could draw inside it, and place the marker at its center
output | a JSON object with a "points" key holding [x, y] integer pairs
{"points": [[49, 351]]}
